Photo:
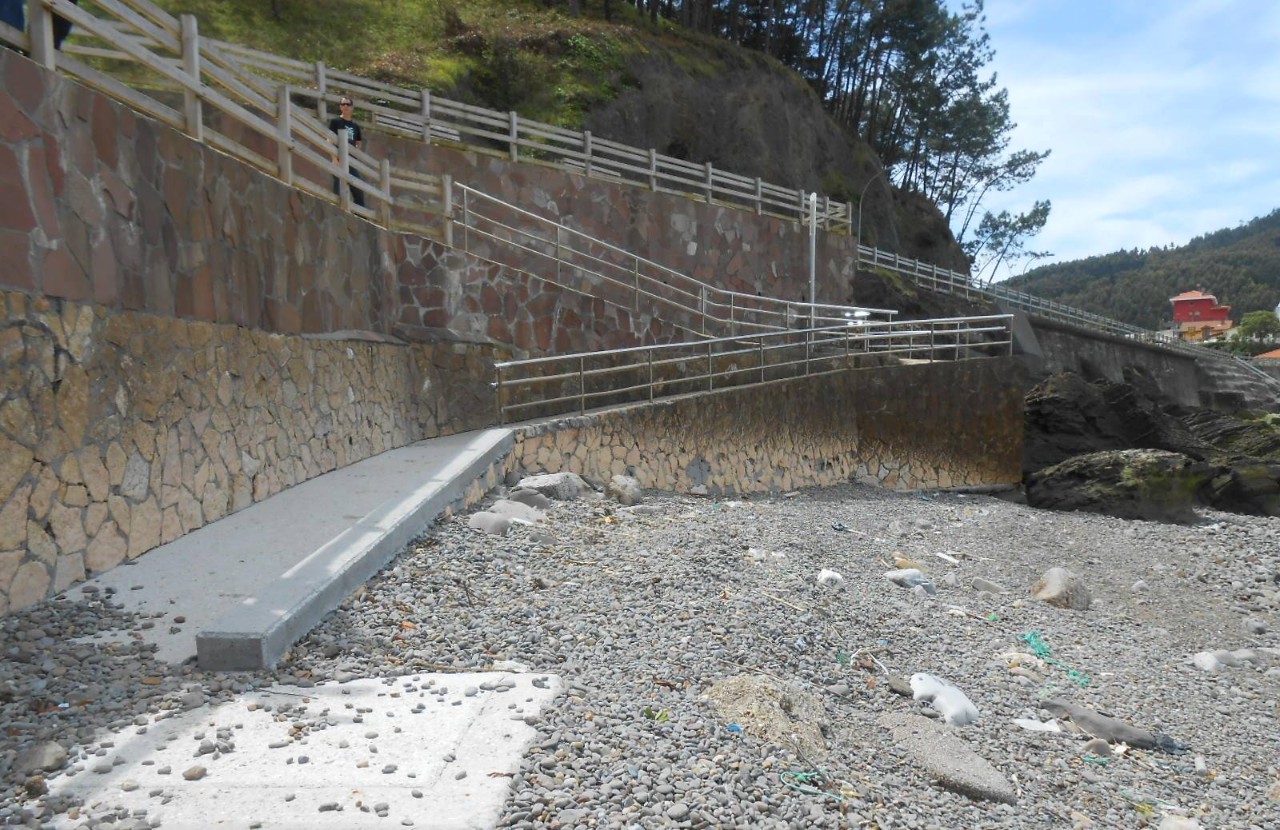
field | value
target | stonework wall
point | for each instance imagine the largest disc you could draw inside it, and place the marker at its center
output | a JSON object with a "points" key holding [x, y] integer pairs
{"points": [[104, 205], [904, 427], [722, 246], [120, 431], [447, 292]]}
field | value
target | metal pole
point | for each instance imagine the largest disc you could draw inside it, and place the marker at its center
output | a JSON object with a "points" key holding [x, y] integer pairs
{"points": [[813, 264]]}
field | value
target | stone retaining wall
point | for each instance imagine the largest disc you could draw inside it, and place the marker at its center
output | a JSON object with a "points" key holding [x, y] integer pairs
{"points": [[903, 427], [722, 246], [121, 431], [105, 205]]}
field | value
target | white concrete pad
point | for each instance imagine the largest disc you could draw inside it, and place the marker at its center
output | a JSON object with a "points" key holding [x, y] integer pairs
{"points": [[440, 761]]}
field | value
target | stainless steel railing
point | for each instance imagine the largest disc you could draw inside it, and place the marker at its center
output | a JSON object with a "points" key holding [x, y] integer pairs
{"points": [[555, 385]]}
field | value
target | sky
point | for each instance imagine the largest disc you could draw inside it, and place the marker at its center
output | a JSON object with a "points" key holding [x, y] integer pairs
{"points": [[1163, 117]]}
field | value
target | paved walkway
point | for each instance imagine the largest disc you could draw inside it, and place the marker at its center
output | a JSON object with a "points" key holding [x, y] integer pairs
{"points": [[426, 750]]}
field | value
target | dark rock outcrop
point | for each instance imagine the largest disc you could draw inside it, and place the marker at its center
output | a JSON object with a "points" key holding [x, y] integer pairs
{"points": [[1067, 416], [1077, 430], [1155, 485]]}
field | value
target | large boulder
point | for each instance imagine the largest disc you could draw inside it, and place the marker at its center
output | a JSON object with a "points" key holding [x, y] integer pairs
{"points": [[1156, 485]]}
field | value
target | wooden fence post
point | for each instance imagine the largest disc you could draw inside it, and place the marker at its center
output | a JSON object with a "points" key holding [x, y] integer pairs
{"points": [[192, 106], [514, 136], [40, 34], [426, 116], [284, 134], [322, 89]]}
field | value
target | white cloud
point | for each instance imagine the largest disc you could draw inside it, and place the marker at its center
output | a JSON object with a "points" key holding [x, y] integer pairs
{"points": [[1162, 118]]}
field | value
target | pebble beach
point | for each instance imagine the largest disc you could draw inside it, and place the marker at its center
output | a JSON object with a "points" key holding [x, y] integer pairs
{"points": [[748, 663]]}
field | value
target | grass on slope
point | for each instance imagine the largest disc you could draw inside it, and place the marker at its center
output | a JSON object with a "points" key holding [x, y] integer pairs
{"points": [[505, 54]]}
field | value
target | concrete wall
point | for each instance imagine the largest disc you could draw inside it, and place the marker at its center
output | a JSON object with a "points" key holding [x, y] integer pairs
{"points": [[902, 427], [1065, 348]]}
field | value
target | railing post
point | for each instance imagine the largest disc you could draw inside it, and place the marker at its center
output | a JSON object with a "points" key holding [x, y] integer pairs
{"points": [[426, 116], [40, 34], [386, 188], [733, 325], [322, 89], [653, 169], [826, 213], [498, 395], [513, 135], [759, 196], [587, 150], [466, 222], [702, 308], [582, 386], [761, 342], [711, 369], [650, 353], [707, 184], [191, 65], [284, 134], [446, 198], [344, 165], [636, 278]]}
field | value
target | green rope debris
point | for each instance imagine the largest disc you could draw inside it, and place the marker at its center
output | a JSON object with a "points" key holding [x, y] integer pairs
{"points": [[1042, 650], [816, 782]]}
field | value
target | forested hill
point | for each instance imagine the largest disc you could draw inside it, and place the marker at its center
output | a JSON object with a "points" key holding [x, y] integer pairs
{"points": [[1240, 266]]}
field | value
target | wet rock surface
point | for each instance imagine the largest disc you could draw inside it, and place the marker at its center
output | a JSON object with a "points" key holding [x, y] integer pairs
{"points": [[644, 611]]}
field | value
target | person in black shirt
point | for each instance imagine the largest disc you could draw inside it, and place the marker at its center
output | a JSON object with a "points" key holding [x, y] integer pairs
{"points": [[354, 139]]}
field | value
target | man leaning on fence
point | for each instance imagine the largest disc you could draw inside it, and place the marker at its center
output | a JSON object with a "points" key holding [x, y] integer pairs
{"points": [[354, 139]]}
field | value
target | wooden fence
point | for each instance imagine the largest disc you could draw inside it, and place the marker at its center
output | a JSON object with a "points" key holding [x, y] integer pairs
{"points": [[225, 107], [419, 114]]}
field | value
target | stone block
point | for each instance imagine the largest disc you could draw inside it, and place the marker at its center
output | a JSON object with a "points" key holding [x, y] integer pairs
{"points": [[107, 549], [68, 571], [30, 585], [40, 544], [15, 464], [13, 519]]}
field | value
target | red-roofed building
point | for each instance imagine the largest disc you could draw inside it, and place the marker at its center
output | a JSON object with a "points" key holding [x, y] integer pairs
{"points": [[1198, 316], [1274, 354]]}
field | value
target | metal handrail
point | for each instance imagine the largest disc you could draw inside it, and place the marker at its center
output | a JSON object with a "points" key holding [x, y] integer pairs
{"points": [[778, 354], [605, 265]]}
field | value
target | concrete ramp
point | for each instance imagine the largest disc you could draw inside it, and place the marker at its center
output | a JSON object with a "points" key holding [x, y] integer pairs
{"points": [[240, 591]]}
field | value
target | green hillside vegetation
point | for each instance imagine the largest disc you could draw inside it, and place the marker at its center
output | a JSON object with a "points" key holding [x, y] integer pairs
{"points": [[519, 55], [1240, 266]]}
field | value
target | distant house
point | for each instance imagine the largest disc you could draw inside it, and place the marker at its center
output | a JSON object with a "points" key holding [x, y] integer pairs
{"points": [[1274, 354], [1198, 316]]}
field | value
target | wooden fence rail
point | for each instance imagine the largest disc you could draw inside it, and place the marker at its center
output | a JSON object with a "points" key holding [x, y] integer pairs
{"points": [[236, 112], [419, 114]]}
